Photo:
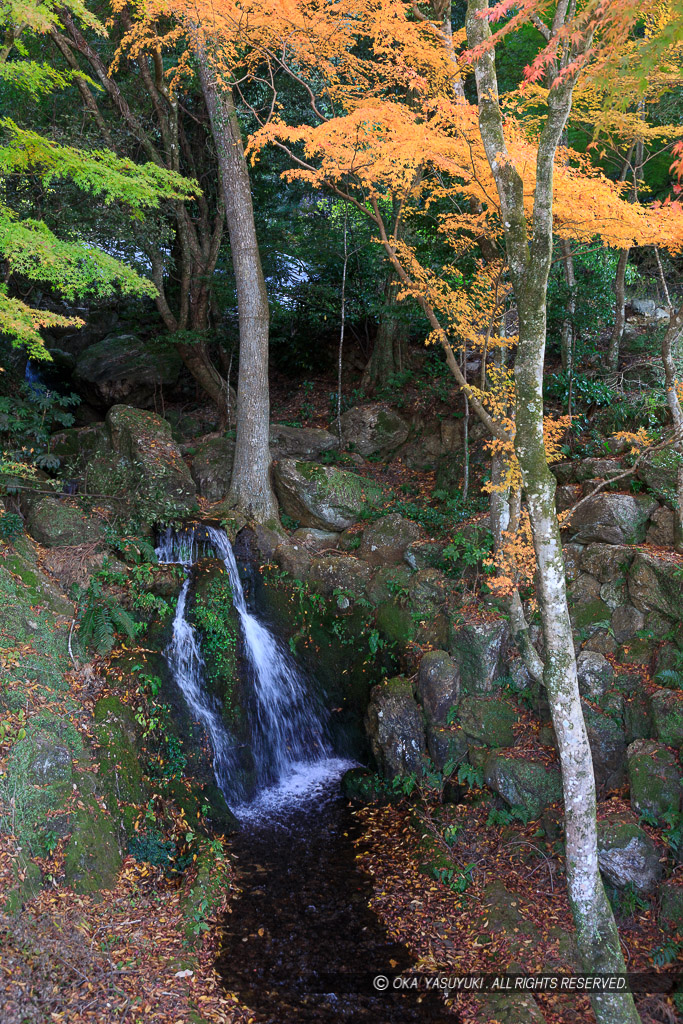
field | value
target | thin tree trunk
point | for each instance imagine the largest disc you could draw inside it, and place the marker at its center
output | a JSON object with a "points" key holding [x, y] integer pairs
{"points": [[250, 488], [529, 251], [341, 328], [619, 310], [567, 333], [672, 334]]}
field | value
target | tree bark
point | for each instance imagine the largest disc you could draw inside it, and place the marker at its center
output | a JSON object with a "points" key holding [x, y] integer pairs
{"points": [[250, 488], [388, 353], [619, 310], [529, 251], [673, 332]]}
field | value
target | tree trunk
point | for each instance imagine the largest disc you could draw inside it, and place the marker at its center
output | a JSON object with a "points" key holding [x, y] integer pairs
{"points": [[567, 333], [673, 332], [388, 354], [529, 251], [619, 310], [250, 488]]}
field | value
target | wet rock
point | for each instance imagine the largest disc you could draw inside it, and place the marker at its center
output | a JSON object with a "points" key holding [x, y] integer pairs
{"points": [[123, 368], [523, 783], [595, 674], [627, 856], [607, 562], [385, 541], [300, 442], [487, 721], [654, 774], [660, 531], [323, 497], [394, 725], [438, 685], [612, 519], [654, 585], [373, 429], [480, 651], [667, 716], [212, 467], [54, 523]]}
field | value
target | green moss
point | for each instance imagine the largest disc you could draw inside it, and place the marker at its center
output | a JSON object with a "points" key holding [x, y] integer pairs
{"points": [[395, 622], [92, 857], [215, 617], [488, 721], [589, 613]]}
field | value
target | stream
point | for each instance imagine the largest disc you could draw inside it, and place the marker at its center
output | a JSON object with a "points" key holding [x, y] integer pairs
{"points": [[300, 943]]}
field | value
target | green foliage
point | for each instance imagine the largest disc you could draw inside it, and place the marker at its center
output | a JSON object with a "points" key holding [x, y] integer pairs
{"points": [[457, 880], [11, 525], [586, 391], [627, 901], [150, 847], [27, 419], [668, 953], [101, 619], [465, 552], [212, 613], [470, 776], [508, 815]]}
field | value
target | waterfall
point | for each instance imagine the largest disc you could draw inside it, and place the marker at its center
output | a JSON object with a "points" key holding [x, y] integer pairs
{"points": [[285, 722]]}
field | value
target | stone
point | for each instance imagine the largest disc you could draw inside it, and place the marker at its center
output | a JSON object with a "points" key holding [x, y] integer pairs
{"points": [[612, 519], [480, 651], [388, 582], [595, 674], [615, 594], [91, 857], [424, 554], [315, 540], [571, 556], [55, 523], [394, 724], [601, 642], [627, 856], [51, 762], [607, 562], [385, 540], [659, 472], [307, 443], [373, 429], [607, 740], [598, 469], [671, 903], [446, 745], [654, 585], [583, 589], [643, 307], [323, 497], [339, 573], [567, 495], [654, 777], [523, 783], [667, 716], [660, 531], [124, 368], [438, 685], [293, 559], [488, 722], [212, 467], [626, 622]]}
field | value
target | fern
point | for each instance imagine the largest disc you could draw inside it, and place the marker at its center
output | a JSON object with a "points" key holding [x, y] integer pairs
{"points": [[101, 619]]}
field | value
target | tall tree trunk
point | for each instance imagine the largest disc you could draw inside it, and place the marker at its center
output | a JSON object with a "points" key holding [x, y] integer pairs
{"points": [[673, 332], [619, 310], [388, 354], [529, 251], [250, 488], [567, 333]]}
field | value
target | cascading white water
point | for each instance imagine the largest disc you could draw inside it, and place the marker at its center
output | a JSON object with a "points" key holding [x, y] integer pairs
{"points": [[286, 732]]}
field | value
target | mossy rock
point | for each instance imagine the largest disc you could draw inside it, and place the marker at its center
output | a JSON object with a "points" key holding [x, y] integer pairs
{"points": [[654, 585], [479, 649], [324, 497], [667, 716], [627, 855], [373, 429], [395, 622], [55, 524], [92, 857], [521, 783], [394, 725], [120, 778], [488, 721], [40, 589], [671, 903], [28, 882], [447, 744], [590, 614], [654, 777]]}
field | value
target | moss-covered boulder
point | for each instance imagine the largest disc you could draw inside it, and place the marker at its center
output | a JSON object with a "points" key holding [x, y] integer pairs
{"points": [[659, 471], [611, 519], [300, 442], [323, 496], [339, 575], [654, 775], [607, 740], [394, 724], [212, 467], [660, 531], [124, 368], [523, 783], [92, 856], [425, 554], [56, 522], [385, 541], [315, 540], [480, 650], [627, 856], [595, 674], [447, 745], [438, 686], [671, 904], [654, 584], [373, 429], [120, 778], [29, 586], [487, 721], [667, 716]]}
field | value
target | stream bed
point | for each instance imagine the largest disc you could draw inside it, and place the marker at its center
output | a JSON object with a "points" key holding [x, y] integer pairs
{"points": [[301, 944]]}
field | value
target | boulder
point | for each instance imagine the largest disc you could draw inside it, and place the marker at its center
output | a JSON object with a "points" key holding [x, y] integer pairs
{"points": [[51, 761], [612, 519], [394, 724], [627, 856], [385, 540], [446, 745], [615, 594], [643, 307], [343, 573], [479, 650], [438, 686], [212, 467], [654, 777], [654, 585], [523, 783], [626, 622], [571, 556], [667, 716], [583, 589], [660, 531], [123, 368], [92, 857], [373, 429], [324, 497], [54, 523], [607, 562], [300, 442], [567, 495], [595, 674], [659, 471], [487, 722], [293, 559], [424, 554], [597, 469], [671, 904], [315, 540], [607, 740]]}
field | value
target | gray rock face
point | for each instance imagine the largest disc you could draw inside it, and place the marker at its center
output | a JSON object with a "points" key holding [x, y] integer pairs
{"points": [[52, 762], [612, 519], [598, 469], [667, 716], [643, 307], [394, 725], [315, 540], [607, 740], [595, 674], [373, 429], [300, 442], [626, 621], [653, 585], [123, 368], [323, 497], [339, 572], [479, 650], [385, 541], [212, 467], [56, 524], [654, 774], [660, 531], [438, 685], [607, 562], [627, 856], [521, 783]]}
